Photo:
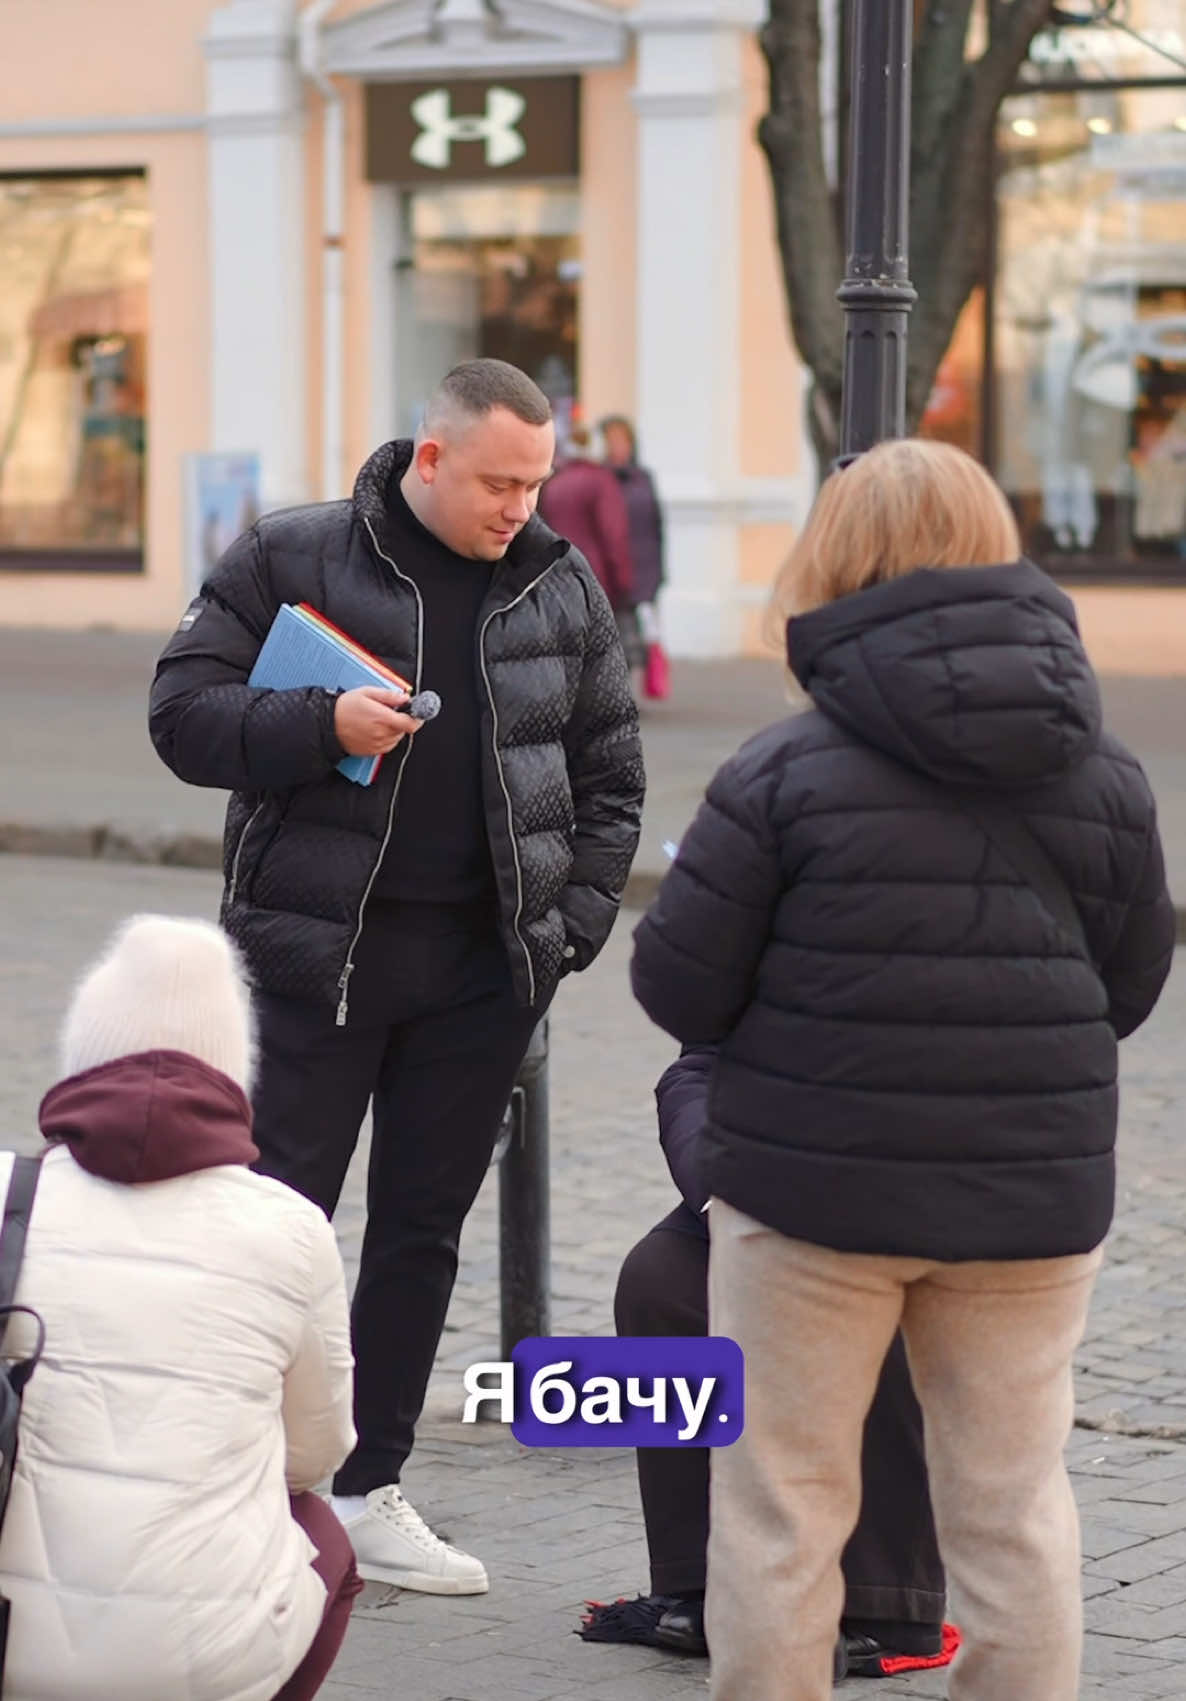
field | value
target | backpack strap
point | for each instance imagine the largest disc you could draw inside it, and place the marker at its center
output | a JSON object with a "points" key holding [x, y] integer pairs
{"points": [[18, 1208], [1007, 831]]}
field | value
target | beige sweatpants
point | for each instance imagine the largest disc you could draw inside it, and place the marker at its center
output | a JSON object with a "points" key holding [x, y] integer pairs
{"points": [[990, 1349]]}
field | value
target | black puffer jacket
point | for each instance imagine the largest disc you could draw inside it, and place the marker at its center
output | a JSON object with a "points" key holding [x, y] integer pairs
{"points": [[562, 777], [914, 1058]]}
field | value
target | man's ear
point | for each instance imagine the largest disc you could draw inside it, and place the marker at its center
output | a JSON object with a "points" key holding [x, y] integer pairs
{"points": [[427, 459]]}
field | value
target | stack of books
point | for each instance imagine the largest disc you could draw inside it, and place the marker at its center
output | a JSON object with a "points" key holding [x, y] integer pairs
{"points": [[304, 648]]}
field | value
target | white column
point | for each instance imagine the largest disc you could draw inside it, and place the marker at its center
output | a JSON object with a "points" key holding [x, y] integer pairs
{"points": [[257, 206], [383, 350], [689, 100]]}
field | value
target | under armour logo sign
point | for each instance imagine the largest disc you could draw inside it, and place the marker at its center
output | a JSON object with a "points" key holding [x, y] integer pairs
{"points": [[439, 129]]}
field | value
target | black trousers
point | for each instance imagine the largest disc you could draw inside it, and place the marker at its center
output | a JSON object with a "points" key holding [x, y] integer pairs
{"points": [[435, 1038], [892, 1568]]}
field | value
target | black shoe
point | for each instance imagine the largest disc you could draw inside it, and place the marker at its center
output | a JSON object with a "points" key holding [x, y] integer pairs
{"points": [[681, 1628], [653, 1621], [676, 1623], [869, 1656]]}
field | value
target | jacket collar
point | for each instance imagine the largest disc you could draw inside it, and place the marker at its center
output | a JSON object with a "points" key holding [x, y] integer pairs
{"points": [[150, 1117], [536, 548]]}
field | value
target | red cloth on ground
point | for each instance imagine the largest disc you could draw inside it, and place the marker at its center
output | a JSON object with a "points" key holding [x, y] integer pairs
{"points": [[893, 1664]]}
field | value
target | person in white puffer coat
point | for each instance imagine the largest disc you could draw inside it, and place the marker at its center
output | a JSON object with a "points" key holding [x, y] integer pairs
{"points": [[161, 1539]]}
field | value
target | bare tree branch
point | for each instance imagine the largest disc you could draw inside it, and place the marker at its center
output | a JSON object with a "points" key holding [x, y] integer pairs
{"points": [[999, 17], [938, 70], [950, 212], [997, 68], [997, 12], [952, 141], [791, 134]]}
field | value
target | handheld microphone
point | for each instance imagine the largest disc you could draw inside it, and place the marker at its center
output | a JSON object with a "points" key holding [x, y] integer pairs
{"points": [[424, 706]]}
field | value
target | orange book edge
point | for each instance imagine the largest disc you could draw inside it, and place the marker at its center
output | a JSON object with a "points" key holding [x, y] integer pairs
{"points": [[352, 644]]}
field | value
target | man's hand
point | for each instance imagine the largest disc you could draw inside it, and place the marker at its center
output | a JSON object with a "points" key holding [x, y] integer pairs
{"points": [[367, 721]]}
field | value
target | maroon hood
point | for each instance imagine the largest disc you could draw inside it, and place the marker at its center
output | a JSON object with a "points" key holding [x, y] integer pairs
{"points": [[150, 1117]]}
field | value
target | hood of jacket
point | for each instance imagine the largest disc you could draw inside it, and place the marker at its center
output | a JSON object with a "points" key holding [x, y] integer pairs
{"points": [[972, 675], [536, 547], [150, 1117]]}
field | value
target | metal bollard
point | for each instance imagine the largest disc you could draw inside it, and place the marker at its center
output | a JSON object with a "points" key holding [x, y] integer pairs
{"points": [[524, 1222]]}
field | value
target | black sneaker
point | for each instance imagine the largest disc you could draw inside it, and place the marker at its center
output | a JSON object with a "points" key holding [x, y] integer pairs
{"points": [[652, 1621]]}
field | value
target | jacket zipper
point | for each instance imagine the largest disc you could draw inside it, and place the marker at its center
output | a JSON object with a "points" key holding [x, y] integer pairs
{"points": [[234, 882], [348, 965], [506, 608]]}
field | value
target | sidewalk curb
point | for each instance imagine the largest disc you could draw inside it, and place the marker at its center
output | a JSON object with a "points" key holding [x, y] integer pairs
{"points": [[106, 843], [164, 849]]}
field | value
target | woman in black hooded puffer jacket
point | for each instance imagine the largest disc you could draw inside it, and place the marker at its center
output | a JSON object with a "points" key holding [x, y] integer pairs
{"points": [[915, 919]]}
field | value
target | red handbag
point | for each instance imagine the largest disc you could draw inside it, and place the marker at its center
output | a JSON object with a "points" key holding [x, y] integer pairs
{"points": [[656, 683]]}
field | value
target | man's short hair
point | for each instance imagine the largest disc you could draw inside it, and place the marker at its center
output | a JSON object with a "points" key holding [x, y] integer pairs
{"points": [[477, 387]]}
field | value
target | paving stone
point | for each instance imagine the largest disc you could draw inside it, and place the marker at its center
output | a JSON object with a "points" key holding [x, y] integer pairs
{"points": [[1141, 1517], [1103, 1540]]}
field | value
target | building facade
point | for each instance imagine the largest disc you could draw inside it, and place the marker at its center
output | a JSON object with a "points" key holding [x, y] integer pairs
{"points": [[239, 242]]}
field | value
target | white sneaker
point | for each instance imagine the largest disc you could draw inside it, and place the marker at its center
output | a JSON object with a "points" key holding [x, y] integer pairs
{"points": [[393, 1544]]}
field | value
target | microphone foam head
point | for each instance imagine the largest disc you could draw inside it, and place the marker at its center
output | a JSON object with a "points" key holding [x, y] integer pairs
{"points": [[424, 706]]}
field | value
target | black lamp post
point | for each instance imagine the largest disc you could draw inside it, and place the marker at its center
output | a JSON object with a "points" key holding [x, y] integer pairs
{"points": [[876, 293]]}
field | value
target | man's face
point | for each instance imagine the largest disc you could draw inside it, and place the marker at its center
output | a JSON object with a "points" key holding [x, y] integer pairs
{"points": [[482, 481]]}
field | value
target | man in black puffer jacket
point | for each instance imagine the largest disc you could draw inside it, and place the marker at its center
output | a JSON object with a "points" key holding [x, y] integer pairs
{"points": [[405, 938]]}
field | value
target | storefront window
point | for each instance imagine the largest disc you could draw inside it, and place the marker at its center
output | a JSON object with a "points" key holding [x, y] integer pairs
{"points": [[1094, 41], [1089, 320], [489, 272], [74, 268]]}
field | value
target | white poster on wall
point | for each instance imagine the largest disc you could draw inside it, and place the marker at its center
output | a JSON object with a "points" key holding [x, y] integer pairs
{"points": [[222, 501]]}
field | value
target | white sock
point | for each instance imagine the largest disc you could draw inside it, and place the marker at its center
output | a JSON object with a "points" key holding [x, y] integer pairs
{"points": [[347, 1507]]}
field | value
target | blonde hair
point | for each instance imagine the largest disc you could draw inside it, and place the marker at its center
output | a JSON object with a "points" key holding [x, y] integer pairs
{"points": [[904, 504]]}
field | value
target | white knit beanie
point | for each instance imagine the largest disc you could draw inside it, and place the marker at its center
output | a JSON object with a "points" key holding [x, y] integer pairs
{"points": [[164, 983]]}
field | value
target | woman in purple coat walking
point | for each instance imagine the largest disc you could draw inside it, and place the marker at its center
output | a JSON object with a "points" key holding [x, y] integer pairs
{"points": [[642, 506]]}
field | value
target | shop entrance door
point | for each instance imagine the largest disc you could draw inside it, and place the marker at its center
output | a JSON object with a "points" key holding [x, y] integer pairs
{"points": [[488, 273]]}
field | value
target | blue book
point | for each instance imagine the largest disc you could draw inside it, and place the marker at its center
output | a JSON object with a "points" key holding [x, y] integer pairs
{"points": [[303, 648]]}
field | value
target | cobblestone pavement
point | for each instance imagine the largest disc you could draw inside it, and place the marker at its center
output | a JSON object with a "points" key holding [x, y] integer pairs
{"points": [[555, 1527], [83, 780]]}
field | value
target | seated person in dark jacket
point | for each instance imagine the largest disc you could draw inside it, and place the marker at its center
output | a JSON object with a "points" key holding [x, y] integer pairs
{"points": [[893, 1619]]}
